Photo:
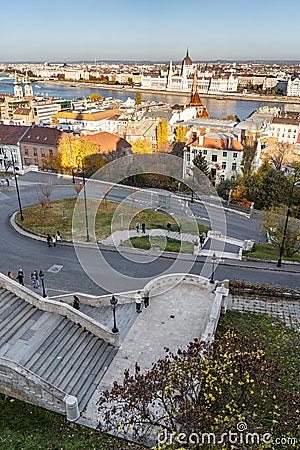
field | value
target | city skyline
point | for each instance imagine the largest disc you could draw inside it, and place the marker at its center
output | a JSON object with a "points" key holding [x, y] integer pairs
{"points": [[136, 31]]}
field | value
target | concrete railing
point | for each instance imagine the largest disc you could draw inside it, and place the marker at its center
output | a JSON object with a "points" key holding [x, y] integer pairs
{"points": [[19, 382], [94, 300], [219, 305], [158, 285], [62, 309]]}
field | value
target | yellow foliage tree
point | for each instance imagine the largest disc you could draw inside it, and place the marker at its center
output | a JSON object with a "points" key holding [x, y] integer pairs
{"points": [[141, 146], [95, 97], [73, 150]]}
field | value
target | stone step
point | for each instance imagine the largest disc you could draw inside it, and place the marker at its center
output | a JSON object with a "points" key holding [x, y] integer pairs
{"points": [[11, 303], [51, 345], [48, 365], [11, 327], [69, 363], [84, 358], [43, 338], [85, 390], [6, 298]]}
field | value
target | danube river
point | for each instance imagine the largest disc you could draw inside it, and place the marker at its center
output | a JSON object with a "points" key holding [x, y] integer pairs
{"points": [[216, 108]]}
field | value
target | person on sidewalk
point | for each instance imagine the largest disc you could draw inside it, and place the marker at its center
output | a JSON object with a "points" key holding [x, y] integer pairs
{"points": [[169, 227], [20, 277], [137, 227], [53, 240], [138, 302], [179, 228], [146, 299], [10, 275], [58, 236], [143, 228]]}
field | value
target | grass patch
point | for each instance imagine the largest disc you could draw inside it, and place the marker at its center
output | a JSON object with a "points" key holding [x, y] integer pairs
{"points": [[167, 245], [29, 427], [267, 251], [279, 342], [109, 216]]}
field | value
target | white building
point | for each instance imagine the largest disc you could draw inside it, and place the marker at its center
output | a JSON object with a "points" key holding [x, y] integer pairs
{"points": [[285, 128], [85, 121], [293, 86], [222, 151]]}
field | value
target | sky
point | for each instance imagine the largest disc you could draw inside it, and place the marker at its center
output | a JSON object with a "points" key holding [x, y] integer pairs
{"points": [[154, 30]]}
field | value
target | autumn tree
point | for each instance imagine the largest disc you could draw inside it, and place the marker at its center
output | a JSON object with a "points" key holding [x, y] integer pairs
{"points": [[203, 390], [162, 133], [279, 154], [138, 98], [274, 221], [141, 146], [95, 97], [180, 133], [73, 150]]}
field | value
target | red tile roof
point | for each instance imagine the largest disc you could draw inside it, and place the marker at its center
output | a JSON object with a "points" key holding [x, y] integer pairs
{"points": [[11, 134], [108, 142], [42, 135]]}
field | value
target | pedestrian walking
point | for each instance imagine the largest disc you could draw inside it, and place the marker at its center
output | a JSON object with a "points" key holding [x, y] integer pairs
{"points": [[137, 227], [10, 275], [34, 279], [58, 236], [179, 228], [197, 343], [20, 277], [53, 240], [49, 240], [169, 227], [143, 228], [138, 302], [76, 302], [146, 299]]}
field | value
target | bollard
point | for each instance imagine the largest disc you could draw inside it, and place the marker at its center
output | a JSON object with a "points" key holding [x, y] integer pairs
{"points": [[72, 408]]}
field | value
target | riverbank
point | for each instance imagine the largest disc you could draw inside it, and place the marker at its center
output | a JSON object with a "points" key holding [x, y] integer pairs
{"points": [[219, 96]]}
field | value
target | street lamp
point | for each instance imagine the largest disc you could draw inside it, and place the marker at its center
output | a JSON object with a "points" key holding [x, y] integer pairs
{"points": [[214, 259], [113, 302], [7, 164], [191, 172], [73, 176], [81, 170], [288, 213], [42, 275]]}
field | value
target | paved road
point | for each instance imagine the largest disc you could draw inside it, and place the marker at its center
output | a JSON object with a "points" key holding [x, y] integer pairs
{"points": [[17, 251]]}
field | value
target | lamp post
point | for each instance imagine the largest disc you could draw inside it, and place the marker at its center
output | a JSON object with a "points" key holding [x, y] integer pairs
{"points": [[73, 176], [42, 275], [288, 213], [16, 180], [191, 172], [113, 302], [81, 170], [213, 258]]}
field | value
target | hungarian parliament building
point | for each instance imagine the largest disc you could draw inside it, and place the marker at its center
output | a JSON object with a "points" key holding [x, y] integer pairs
{"points": [[181, 79]]}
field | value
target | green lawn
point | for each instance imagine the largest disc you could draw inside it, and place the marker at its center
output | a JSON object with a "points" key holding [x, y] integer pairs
{"points": [[28, 427], [59, 216], [267, 251], [168, 244]]}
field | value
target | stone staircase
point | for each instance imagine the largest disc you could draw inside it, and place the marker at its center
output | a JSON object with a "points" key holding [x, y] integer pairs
{"points": [[54, 348]]}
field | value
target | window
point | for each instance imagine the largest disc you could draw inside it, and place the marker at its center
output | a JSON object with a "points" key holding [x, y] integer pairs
{"points": [[233, 167], [27, 161], [42, 152], [222, 177], [204, 152], [214, 158], [50, 152], [224, 154], [235, 155], [188, 157], [223, 165], [26, 150], [36, 161], [35, 151]]}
